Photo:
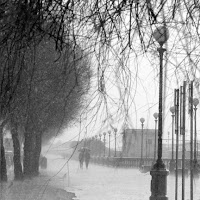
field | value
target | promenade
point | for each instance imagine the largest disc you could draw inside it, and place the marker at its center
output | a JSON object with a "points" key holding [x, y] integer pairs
{"points": [[64, 180], [102, 182]]}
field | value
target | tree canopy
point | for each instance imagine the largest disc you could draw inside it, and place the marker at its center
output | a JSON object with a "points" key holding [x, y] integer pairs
{"points": [[114, 31], [52, 87]]}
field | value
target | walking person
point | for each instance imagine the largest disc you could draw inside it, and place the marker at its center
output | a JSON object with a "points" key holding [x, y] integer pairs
{"points": [[81, 158], [87, 158]]}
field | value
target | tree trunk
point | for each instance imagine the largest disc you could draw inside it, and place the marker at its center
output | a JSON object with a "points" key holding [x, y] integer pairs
{"points": [[3, 170], [28, 154], [37, 151], [17, 154]]}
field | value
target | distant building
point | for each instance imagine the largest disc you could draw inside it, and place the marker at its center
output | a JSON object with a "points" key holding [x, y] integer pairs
{"points": [[132, 141]]}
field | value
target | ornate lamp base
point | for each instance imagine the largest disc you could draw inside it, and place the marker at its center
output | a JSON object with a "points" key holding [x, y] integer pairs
{"points": [[159, 184]]}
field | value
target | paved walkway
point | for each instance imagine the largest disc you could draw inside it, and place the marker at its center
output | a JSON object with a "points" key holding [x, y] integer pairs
{"points": [[108, 183], [39, 188]]}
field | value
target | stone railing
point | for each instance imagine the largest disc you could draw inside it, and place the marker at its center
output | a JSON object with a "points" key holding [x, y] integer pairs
{"points": [[128, 162]]}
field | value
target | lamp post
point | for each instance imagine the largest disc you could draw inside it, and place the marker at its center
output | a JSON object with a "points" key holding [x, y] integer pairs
{"points": [[195, 103], [104, 141], [115, 130], [146, 147], [100, 145], [172, 162], [158, 171], [156, 120], [109, 133], [141, 159]]}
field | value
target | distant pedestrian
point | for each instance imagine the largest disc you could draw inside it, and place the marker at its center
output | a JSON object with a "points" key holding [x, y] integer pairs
{"points": [[81, 158], [87, 158]]}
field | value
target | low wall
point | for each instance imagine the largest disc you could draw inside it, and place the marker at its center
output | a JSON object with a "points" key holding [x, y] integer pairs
{"points": [[128, 162]]}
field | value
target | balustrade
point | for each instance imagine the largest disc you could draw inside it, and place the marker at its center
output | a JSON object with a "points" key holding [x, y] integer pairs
{"points": [[128, 162]]}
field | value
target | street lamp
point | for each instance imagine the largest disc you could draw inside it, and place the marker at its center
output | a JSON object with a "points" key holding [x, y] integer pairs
{"points": [[156, 120], [172, 162], [115, 130], [146, 146], [104, 141], [158, 171], [100, 145], [109, 133], [195, 103], [141, 159]]}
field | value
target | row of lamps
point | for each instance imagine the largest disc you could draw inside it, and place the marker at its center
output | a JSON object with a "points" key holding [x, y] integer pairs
{"points": [[104, 141], [159, 172], [172, 110]]}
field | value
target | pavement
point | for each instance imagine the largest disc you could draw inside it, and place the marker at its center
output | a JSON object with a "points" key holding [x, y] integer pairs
{"points": [[38, 188]]}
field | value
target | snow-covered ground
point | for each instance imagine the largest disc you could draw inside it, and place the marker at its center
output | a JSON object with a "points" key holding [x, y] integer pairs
{"points": [[106, 183]]}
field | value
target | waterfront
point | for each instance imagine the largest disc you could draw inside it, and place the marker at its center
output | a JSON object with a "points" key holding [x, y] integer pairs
{"points": [[108, 183]]}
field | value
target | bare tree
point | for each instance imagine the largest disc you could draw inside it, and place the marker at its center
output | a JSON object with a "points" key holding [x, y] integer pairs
{"points": [[108, 29], [49, 95]]}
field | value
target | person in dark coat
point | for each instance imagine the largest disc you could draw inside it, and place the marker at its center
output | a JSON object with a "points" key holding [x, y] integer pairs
{"points": [[87, 158], [81, 159]]}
